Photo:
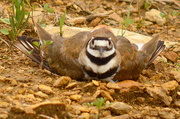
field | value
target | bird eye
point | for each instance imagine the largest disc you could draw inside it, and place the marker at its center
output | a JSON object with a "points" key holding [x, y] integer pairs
{"points": [[92, 44], [110, 45]]}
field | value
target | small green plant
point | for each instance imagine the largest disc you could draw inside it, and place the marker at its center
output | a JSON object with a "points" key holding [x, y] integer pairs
{"points": [[47, 9], [61, 23], [147, 4], [99, 102], [177, 64], [4, 56], [169, 15], [126, 23], [18, 19]]}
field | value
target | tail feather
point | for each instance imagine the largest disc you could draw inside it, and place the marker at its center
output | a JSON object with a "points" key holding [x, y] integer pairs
{"points": [[159, 49], [26, 45]]}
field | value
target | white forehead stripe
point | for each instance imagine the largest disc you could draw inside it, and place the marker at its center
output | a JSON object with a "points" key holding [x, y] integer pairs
{"points": [[101, 42]]}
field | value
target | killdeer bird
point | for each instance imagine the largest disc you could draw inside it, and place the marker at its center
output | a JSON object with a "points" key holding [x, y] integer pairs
{"points": [[96, 54]]}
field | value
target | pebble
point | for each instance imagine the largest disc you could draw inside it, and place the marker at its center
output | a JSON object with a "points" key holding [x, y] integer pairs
{"points": [[58, 2], [177, 49], [115, 17], [106, 95], [125, 86], [71, 85], [41, 95], [85, 116], [147, 23], [4, 104], [154, 16], [75, 97], [170, 85], [172, 56], [82, 108], [62, 81], [96, 83], [45, 89], [177, 103], [160, 94], [3, 116], [120, 108], [124, 116], [176, 75], [166, 114]]}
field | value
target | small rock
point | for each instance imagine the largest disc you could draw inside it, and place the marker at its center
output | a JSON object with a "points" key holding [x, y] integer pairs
{"points": [[154, 16], [58, 2], [124, 116], [17, 109], [62, 81], [170, 85], [106, 113], [120, 108], [177, 103], [95, 22], [45, 89], [77, 20], [41, 95], [52, 108], [87, 99], [166, 114], [125, 86], [3, 116], [71, 85], [75, 97], [85, 116], [172, 56], [81, 108], [115, 17], [177, 49], [147, 23], [96, 83], [176, 75], [106, 95], [4, 104], [160, 94]]}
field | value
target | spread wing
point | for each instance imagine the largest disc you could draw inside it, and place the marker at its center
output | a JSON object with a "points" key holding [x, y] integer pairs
{"points": [[59, 56], [133, 61]]}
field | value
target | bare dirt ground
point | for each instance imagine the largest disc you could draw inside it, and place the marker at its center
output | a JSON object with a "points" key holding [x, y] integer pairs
{"points": [[28, 92]]}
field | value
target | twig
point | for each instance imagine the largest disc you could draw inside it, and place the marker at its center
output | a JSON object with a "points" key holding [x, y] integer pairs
{"points": [[45, 116], [5, 42]]}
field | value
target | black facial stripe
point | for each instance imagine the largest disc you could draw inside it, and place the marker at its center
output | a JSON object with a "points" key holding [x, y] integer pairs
{"points": [[100, 61], [101, 38], [103, 75], [104, 47]]}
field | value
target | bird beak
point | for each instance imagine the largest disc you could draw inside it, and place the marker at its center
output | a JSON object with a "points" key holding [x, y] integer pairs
{"points": [[101, 50]]}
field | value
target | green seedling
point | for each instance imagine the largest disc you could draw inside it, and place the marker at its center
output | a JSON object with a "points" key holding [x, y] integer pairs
{"points": [[99, 102], [147, 4], [126, 23], [47, 9], [4, 56], [61, 23], [18, 19]]}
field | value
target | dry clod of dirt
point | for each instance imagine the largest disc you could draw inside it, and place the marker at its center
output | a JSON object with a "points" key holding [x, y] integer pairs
{"points": [[120, 108], [41, 95], [154, 16], [62, 81], [159, 94], [45, 89], [172, 56]]}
